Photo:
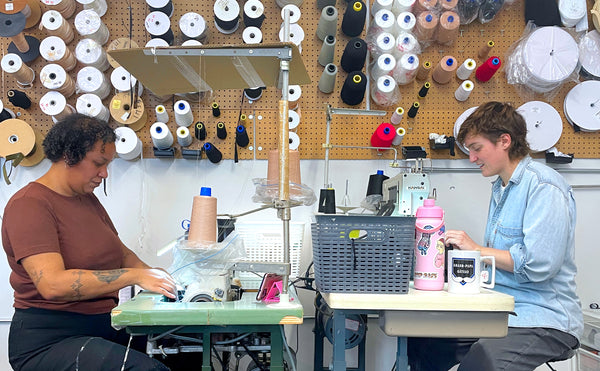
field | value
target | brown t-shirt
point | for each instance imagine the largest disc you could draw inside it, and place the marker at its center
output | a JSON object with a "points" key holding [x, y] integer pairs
{"points": [[38, 220]]}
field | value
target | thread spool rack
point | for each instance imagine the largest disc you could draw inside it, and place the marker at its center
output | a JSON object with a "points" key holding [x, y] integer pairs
{"points": [[438, 112]]}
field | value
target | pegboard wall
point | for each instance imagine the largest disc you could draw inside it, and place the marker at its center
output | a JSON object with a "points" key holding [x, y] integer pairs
{"points": [[437, 114]]}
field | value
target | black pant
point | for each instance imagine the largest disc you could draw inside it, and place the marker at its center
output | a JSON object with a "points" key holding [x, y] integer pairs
{"points": [[49, 340], [523, 349]]}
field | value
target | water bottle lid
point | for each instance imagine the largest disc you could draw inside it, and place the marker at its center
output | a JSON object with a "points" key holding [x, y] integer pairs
{"points": [[430, 210], [205, 191], [379, 172]]}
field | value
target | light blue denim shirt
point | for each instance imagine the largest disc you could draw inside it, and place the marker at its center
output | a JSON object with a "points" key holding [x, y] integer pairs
{"points": [[534, 219]]}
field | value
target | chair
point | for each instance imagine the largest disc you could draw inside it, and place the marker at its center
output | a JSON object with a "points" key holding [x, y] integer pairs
{"points": [[562, 357]]}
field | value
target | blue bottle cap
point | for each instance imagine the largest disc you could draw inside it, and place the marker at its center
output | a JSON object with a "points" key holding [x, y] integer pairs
{"points": [[379, 172], [205, 191]]}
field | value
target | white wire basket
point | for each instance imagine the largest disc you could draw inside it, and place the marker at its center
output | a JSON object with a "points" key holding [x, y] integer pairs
{"points": [[263, 242]]}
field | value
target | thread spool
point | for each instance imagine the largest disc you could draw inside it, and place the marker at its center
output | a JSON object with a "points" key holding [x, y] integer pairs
{"points": [[91, 80], [183, 113], [158, 26], [65, 7], [464, 71], [397, 116], [129, 146], [191, 42], [424, 89], [400, 133], [294, 13], [443, 71], [485, 72], [203, 222], [327, 22], [384, 21], [385, 42], [161, 113], [252, 35], [162, 138], [54, 77], [448, 4], [199, 130], [99, 6], [327, 201], [400, 6], [485, 50], [243, 119], [296, 35], [294, 94], [273, 167], [193, 27], [184, 137], [18, 99], [91, 105], [424, 70], [27, 47], [216, 111], [327, 52], [381, 5], [55, 25], [163, 6], [384, 65], [54, 104], [406, 69], [119, 44], [253, 94], [54, 50], [293, 119], [212, 153], [464, 90], [13, 65], [355, 53], [354, 19], [406, 22], [122, 80], [424, 5], [327, 80], [221, 130], [89, 25], [353, 90], [227, 13], [385, 91], [383, 135], [254, 13], [406, 43], [125, 113], [448, 30], [294, 140], [412, 112], [12, 7], [157, 43], [241, 136], [426, 24], [90, 53], [16, 137]]}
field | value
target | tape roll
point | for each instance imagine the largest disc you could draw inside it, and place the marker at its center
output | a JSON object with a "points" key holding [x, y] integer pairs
{"points": [[16, 136], [121, 111], [294, 140], [91, 105], [293, 119], [119, 44]]}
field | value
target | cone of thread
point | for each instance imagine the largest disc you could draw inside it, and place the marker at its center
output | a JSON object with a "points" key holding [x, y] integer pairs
{"points": [[327, 80], [327, 51], [327, 23]]}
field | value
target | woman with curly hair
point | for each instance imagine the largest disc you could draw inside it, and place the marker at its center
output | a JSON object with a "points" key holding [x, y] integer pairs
{"points": [[68, 262]]}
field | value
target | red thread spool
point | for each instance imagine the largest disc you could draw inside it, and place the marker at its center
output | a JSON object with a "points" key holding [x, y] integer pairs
{"points": [[383, 135], [485, 72]]}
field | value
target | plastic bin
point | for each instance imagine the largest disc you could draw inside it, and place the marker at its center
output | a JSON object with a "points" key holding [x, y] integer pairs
{"points": [[369, 254]]}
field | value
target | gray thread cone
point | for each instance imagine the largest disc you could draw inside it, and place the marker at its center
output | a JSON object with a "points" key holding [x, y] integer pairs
{"points": [[323, 3], [327, 51], [327, 80], [327, 23]]}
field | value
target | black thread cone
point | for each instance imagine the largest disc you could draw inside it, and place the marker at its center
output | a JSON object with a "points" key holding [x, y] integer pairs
{"points": [[241, 136], [221, 130], [213, 154], [354, 18], [355, 53], [353, 90], [216, 111], [19, 99], [375, 186], [200, 130], [327, 201]]}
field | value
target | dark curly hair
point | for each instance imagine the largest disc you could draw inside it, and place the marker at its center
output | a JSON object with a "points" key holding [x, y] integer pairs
{"points": [[74, 136], [491, 120]]}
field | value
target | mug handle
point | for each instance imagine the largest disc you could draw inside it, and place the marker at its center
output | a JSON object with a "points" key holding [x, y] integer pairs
{"points": [[492, 282]]}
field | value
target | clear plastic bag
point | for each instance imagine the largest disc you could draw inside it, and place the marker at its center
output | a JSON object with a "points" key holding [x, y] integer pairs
{"points": [[269, 192]]}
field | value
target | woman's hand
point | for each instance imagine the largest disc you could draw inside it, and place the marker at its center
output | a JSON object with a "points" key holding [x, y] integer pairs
{"points": [[158, 281], [461, 240]]}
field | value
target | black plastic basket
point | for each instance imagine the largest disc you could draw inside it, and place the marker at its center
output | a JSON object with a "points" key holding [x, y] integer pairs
{"points": [[378, 261]]}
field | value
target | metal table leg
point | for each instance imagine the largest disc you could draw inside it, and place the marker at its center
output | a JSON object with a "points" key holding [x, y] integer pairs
{"points": [[339, 343], [401, 354]]}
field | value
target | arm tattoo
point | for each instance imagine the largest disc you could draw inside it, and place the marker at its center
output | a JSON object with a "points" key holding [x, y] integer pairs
{"points": [[37, 277], [109, 276], [76, 286]]}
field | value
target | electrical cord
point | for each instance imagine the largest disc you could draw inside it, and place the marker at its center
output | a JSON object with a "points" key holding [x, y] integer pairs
{"points": [[287, 348]]}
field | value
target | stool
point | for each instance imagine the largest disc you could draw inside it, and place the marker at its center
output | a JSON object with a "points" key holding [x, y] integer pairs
{"points": [[569, 353]]}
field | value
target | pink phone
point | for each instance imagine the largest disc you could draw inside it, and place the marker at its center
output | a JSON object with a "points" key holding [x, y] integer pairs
{"points": [[267, 282]]}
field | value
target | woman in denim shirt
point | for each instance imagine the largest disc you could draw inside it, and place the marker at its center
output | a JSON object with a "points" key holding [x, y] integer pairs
{"points": [[530, 232]]}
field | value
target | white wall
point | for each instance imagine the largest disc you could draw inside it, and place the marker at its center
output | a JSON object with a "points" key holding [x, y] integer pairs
{"points": [[148, 199]]}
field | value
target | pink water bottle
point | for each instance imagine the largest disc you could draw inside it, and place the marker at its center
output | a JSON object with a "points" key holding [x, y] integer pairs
{"points": [[429, 249]]}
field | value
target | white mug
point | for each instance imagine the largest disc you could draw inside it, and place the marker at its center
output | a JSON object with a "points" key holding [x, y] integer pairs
{"points": [[465, 273]]}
